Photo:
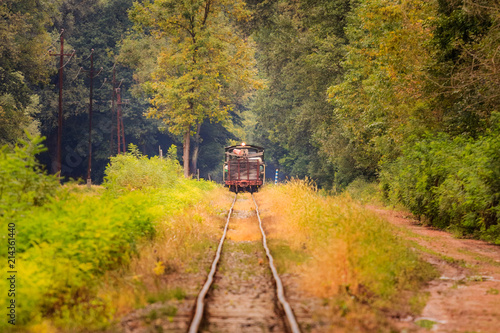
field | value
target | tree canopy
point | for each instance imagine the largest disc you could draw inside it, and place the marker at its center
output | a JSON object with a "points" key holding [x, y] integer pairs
{"points": [[205, 66], [24, 62]]}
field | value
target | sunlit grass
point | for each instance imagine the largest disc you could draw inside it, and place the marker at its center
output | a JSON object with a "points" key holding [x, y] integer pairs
{"points": [[92, 255], [343, 248], [180, 245], [246, 229]]}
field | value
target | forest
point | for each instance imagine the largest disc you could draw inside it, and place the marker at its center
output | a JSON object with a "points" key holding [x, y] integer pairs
{"points": [[404, 93], [398, 98]]}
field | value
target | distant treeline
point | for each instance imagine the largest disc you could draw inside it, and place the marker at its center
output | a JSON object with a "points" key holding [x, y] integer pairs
{"points": [[29, 84]]}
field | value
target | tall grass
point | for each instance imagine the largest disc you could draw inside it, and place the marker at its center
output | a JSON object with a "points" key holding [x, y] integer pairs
{"points": [[182, 243], [350, 250], [69, 238]]}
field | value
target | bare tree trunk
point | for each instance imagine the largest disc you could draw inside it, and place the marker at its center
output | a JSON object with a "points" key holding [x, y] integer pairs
{"points": [[196, 148], [185, 157]]}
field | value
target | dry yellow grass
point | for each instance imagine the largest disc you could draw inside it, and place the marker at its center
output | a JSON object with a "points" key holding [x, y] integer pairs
{"points": [[330, 271], [244, 202], [180, 239], [245, 230], [290, 214], [350, 249], [343, 254]]}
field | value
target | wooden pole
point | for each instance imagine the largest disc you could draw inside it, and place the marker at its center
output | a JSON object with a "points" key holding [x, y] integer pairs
{"points": [[60, 113]]}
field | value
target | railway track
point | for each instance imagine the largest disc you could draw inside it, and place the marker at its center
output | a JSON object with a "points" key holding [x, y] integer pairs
{"points": [[256, 304]]}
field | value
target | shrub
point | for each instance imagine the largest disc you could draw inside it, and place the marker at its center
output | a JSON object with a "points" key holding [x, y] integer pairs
{"points": [[453, 183], [23, 183], [65, 245], [133, 170], [364, 191], [68, 237]]}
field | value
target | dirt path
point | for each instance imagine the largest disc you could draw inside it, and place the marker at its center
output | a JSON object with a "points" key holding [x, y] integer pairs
{"points": [[243, 297], [466, 297]]}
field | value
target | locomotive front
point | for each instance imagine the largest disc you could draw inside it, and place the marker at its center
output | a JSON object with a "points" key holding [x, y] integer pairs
{"points": [[244, 168]]}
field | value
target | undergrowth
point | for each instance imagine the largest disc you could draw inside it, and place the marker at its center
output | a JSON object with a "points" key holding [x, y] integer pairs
{"points": [[350, 256], [70, 239], [453, 183], [180, 249], [365, 191]]}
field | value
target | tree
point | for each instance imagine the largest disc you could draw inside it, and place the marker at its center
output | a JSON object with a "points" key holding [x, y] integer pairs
{"points": [[382, 99], [300, 50], [23, 63], [205, 66], [98, 25], [465, 74]]}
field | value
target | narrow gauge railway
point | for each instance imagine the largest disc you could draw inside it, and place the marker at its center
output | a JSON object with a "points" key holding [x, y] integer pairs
{"points": [[279, 319]]}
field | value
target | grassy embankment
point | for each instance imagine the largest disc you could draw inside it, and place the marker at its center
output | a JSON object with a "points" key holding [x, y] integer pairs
{"points": [[86, 257], [345, 255]]}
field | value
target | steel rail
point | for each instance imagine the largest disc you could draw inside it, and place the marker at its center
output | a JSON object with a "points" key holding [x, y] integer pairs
{"points": [[294, 327], [200, 301]]}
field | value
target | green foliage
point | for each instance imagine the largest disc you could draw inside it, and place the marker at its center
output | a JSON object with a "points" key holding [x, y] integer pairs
{"points": [[25, 38], [453, 182], [167, 294], [68, 237], [23, 62], [426, 323], [205, 68], [466, 35], [71, 242], [364, 191], [391, 70], [23, 184], [172, 152], [380, 99], [300, 47], [98, 25], [132, 170]]}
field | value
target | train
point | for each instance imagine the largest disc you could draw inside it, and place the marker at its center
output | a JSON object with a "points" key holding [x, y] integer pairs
{"points": [[244, 168]]}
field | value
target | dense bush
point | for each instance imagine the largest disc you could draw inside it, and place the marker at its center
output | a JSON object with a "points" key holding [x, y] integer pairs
{"points": [[364, 191], [453, 183], [68, 243], [69, 236], [22, 181], [133, 170], [23, 187]]}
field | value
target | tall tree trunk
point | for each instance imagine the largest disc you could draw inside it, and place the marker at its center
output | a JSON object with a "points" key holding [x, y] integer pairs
{"points": [[196, 149], [185, 157]]}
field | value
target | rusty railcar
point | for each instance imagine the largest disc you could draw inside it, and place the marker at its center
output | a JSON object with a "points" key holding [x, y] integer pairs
{"points": [[244, 168]]}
